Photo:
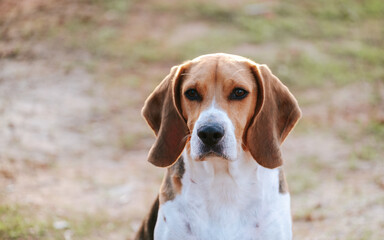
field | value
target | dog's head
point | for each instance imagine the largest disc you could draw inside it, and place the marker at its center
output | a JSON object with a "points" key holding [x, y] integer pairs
{"points": [[218, 105]]}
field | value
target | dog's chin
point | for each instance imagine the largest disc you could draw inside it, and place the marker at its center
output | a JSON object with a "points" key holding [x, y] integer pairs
{"points": [[211, 154], [204, 153]]}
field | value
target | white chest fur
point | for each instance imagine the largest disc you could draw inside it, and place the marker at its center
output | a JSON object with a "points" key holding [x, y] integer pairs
{"points": [[223, 200]]}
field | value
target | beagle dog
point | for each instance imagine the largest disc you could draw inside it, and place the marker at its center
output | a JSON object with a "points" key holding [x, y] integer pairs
{"points": [[220, 120]]}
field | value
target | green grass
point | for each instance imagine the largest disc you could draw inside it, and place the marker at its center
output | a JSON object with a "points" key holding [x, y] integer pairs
{"points": [[127, 141], [94, 224], [17, 223], [306, 174], [301, 182], [367, 140], [116, 6], [21, 222], [346, 10], [213, 41], [299, 69], [209, 11], [367, 53], [201, 10], [375, 129]]}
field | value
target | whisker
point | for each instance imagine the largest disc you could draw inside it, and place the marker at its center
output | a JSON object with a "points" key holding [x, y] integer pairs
{"points": [[187, 137]]}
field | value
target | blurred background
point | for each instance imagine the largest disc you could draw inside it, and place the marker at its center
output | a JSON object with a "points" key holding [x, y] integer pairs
{"points": [[74, 76]]}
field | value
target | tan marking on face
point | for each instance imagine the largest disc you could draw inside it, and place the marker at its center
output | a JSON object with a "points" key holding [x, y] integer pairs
{"points": [[214, 78]]}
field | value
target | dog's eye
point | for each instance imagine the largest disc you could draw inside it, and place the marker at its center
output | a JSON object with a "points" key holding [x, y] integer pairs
{"points": [[192, 95], [237, 94]]}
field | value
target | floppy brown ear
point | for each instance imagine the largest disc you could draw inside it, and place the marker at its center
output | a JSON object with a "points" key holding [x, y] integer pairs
{"points": [[275, 115], [164, 118]]}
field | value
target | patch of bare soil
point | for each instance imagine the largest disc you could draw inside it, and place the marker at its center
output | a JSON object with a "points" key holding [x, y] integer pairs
{"points": [[343, 192], [59, 149]]}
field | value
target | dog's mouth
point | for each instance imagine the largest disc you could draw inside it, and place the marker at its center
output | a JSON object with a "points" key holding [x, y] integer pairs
{"points": [[207, 152]]}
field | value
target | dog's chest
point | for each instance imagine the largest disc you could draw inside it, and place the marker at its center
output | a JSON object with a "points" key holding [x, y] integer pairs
{"points": [[223, 209]]}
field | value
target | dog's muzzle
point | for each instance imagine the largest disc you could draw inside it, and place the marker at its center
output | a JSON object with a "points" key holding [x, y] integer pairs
{"points": [[211, 135]]}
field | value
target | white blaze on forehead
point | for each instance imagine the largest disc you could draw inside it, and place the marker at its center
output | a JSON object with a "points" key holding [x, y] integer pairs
{"points": [[213, 103]]}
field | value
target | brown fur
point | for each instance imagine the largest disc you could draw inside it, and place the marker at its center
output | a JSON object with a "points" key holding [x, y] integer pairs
{"points": [[276, 114], [146, 231], [172, 181], [162, 116]]}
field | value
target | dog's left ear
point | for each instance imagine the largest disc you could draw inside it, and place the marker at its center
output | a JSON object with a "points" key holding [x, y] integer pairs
{"points": [[275, 115], [162, 113]]}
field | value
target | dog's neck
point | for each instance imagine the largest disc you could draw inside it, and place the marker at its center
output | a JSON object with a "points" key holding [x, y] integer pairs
{"points": [[222, 199], [212, 169], [235, 183]]}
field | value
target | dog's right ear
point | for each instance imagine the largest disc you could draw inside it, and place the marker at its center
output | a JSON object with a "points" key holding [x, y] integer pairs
{"points": [[162, 113]]}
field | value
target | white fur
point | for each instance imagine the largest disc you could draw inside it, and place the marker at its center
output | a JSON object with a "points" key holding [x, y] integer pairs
{"points": [[217, 116], [225, 199]]}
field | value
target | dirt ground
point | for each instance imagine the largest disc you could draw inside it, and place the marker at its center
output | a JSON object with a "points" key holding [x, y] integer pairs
{"points": [[73, 144]]}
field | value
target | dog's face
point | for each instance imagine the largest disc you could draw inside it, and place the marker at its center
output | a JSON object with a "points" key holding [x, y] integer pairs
{"points": [[217, 101], [217, 105]]}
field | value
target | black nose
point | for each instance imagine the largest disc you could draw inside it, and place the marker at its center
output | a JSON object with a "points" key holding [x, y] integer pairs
{"points": [[211, 134]]}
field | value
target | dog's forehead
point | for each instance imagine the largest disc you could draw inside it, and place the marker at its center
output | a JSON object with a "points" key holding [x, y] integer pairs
{"points": [[219, 67]]}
